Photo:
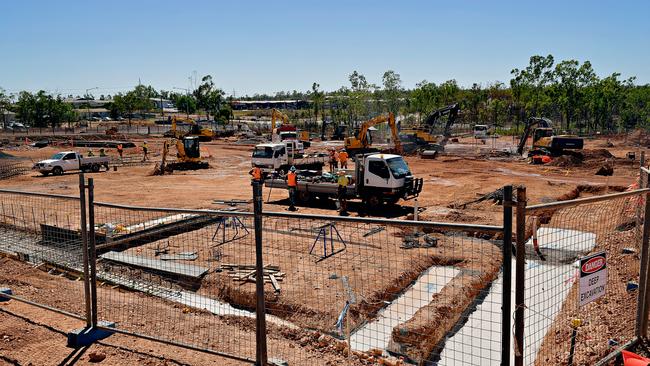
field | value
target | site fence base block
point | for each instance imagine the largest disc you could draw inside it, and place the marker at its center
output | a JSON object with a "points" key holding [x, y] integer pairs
{"points": [[7, 291], [86, 336]]}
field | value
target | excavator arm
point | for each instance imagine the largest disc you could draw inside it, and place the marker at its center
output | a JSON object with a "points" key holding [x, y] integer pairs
{"points": [[362, 136], [452, 110], [276, 114], [532, 122]]}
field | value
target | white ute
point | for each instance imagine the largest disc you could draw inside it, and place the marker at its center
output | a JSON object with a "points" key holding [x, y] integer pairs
{"points": [[68, 161]]}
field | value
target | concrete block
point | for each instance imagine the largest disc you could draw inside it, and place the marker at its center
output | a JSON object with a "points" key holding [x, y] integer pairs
{"points": [[5, 290], [86, 336]]}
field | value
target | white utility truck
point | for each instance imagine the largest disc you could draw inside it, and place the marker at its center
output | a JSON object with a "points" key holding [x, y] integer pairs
{"points": [[376, 179], [279, 157], [66, 161]]}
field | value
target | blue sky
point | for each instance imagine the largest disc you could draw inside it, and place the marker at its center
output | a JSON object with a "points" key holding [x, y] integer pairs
{"points": [[266, 46]]}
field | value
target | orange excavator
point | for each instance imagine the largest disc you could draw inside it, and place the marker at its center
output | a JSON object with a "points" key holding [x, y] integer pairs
{"points": [[362, 143]]}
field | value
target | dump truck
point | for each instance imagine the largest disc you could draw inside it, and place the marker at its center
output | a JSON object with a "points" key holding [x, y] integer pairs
{"points": [[279, 157], [376, 179], [69, 161]]}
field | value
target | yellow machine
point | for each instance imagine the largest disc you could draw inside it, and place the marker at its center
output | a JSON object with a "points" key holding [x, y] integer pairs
{"points": [[204, 134], [275, 115], [362, 142], [545, 141], [188, 156], [424, 135]]}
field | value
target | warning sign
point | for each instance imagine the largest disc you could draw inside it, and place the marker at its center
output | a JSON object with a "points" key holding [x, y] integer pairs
{"points": [[593, 278]]}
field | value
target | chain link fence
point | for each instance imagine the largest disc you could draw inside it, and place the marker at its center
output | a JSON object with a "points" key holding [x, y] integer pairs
{"points": [[336, 290], [44, 231], [567, 320], [421, 292]]}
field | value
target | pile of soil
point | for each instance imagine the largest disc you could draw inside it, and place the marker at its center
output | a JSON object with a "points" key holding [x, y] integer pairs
{"points": [[584, 158]]}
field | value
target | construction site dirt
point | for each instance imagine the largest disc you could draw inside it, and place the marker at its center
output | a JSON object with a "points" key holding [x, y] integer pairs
{"points": [[460, 185]]}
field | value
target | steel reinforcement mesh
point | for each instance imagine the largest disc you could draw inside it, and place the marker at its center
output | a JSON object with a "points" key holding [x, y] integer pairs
{"points": [[556, 240], [417, 293], [44, 232], [165, 274]]}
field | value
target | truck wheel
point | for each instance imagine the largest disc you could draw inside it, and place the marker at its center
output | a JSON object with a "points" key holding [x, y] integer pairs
{"points": [[95, 168], [57, 170], [373, 202], [392, 200], [304, 196]]}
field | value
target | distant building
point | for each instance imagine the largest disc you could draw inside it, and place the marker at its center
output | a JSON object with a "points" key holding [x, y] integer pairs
{"points": [[7, 117], [83, 103], [165, 104], [87, 113], [269, 104]]}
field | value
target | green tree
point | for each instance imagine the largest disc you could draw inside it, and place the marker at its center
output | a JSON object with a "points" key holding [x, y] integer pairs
{"points": [[317, 101], [424, 99], [5, 105], [209, 98], [393, 91]]}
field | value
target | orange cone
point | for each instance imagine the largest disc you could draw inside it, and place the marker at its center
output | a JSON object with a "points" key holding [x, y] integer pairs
{"points": [[632, 359]]}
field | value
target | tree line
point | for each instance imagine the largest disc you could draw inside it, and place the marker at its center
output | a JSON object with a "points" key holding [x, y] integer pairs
{"points": [[41, 109], [568, 92]]}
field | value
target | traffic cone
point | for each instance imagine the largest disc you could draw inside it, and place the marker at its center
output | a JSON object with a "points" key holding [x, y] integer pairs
{"points": [[632, 359]]}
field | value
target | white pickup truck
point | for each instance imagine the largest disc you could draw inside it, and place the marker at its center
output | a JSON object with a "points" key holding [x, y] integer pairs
{"points": [[70, 160]]}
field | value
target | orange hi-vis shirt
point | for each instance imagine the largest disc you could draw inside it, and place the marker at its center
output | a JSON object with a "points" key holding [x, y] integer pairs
{"points": [[343, 156], [257, 173], [291, 179]]}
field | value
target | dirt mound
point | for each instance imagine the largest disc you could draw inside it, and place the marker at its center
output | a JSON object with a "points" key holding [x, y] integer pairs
{"points": [[586, 158], [567, 161]]}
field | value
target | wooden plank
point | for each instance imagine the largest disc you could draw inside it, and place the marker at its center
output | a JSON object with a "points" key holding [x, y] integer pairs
{"points": [[274, 282], [182, 269]]}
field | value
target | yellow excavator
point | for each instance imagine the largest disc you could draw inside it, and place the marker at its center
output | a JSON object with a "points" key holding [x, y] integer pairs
{"points": [[275, 115], [362, 143], [424, 134], [545, 141], [203, 133], [188, 156]]}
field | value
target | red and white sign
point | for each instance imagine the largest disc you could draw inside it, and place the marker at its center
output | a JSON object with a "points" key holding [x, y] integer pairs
{"points": [[593, 278]]}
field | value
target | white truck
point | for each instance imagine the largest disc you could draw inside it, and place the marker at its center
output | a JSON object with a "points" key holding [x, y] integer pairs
{"points": [[68, 161], [376, 179], [279, 157]]}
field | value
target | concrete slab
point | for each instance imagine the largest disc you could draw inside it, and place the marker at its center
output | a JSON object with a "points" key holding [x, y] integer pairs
{"points": [[377, 334], [183, 269], [478, 342]]}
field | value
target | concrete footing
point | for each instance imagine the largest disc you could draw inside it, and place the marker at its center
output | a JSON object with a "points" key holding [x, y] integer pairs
{"points": [[86, 336]]}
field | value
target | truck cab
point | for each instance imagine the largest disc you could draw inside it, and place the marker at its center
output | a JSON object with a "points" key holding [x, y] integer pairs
{"points": [[276, 156], [387, 178]]}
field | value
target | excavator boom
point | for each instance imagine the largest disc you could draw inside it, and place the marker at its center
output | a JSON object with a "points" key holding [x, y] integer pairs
{"points": [[361, 141]]}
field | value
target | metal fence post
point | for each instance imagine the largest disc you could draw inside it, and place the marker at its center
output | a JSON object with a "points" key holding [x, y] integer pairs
{"points": [[644, 294], [260, 309], [84, 246], [520, 276], [92, 256], [506, 296]]}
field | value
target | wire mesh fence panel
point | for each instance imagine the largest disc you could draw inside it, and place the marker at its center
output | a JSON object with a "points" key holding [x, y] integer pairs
{"points": [[384, 290], [560, 298], [174, 275], [43, 231]]}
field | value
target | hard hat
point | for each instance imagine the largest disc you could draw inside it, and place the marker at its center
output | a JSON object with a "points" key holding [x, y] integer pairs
{"points": [[293, 169]]}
